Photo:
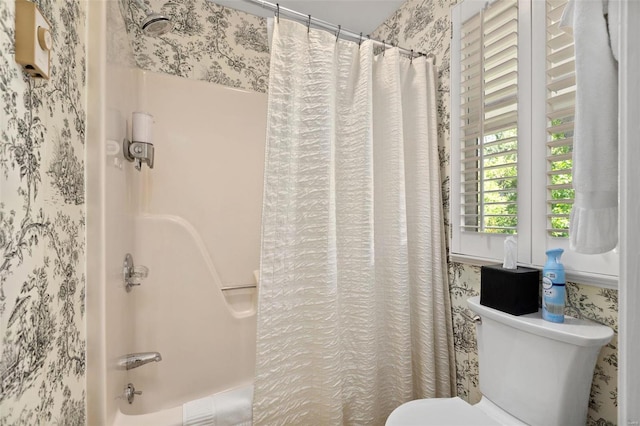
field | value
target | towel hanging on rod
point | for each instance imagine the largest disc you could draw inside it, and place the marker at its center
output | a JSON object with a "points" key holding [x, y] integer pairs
{"points": [[593, 226]]}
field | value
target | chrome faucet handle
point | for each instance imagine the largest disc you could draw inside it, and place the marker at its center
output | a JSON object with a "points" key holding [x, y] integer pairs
{"points": [[130, 392], [133, 275], [137, 274]]}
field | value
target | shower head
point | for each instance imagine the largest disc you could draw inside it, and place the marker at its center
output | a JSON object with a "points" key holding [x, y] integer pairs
{"points": [[155, 24]]}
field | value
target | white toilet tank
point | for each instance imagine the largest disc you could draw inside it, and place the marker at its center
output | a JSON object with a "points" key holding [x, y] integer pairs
{"points": [[538, 371]]}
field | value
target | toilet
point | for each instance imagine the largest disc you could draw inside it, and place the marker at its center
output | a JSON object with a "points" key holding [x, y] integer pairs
{"points": [[532, 372]]}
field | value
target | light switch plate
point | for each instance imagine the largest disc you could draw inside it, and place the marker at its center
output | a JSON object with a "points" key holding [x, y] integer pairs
{"points": [[33, 39]]}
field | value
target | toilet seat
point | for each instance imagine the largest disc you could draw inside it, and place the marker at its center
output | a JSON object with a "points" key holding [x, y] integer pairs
{"points": [[439, 412]]}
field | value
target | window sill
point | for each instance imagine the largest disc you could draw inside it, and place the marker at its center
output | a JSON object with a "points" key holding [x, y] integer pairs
{"points": [[597, 280]]}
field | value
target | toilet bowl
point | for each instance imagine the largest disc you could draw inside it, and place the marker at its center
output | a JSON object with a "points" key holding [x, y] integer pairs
{"points": [[450, 412], [532, 372]]}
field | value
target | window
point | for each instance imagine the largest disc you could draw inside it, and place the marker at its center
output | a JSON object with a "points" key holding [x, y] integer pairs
{"points": [[512, 97]]}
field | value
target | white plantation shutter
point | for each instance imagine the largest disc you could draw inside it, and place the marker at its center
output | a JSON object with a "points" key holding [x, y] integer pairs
{"points": [[487, 67], [489, 119], [560, 107]]}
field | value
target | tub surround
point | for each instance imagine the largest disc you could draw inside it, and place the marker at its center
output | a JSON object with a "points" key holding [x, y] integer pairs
{"points": [[197, 234], [209, 167], [130, 214]]}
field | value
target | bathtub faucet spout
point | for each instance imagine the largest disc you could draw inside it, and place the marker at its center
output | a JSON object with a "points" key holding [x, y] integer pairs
{"points": [[135, 360]]}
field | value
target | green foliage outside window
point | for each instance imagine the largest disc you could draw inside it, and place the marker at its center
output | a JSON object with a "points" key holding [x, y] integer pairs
{"points": [[560, 224], [500, 183]]}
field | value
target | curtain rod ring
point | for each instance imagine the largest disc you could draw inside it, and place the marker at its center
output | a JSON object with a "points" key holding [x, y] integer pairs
{"points": [[338, 33], [278, 12], [360, 41], [431, 57], [309, 24], [411, 57]]}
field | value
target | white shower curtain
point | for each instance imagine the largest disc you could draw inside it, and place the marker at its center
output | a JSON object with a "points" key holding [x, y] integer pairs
{"points": [[354, 313]]}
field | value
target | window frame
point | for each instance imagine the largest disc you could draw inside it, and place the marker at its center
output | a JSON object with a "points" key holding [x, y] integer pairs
{"points": [[485, 248]]}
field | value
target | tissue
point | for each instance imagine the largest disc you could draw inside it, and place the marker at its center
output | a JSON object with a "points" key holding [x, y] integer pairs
{"points": [[510, 253], [141, 127]]}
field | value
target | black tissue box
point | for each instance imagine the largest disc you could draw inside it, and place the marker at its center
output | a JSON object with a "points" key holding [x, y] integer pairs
{"points": [[515, 291]]}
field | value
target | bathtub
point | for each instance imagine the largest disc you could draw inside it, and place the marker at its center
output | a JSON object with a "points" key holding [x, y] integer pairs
{"points": [[230, 409], [167, 417], [204, 330]]}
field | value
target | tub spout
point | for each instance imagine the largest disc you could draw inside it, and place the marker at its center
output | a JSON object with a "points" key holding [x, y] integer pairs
{"points": [[135, 360]]}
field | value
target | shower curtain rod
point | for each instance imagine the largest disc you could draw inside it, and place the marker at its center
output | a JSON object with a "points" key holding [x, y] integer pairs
{"points": [[328, 26]]}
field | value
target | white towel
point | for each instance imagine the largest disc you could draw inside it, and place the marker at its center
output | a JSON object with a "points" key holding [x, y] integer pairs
{"points": [[594, 217], [231, 408]]}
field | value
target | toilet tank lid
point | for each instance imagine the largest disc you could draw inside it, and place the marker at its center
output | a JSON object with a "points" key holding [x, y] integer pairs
{"points": [[575, 331]]}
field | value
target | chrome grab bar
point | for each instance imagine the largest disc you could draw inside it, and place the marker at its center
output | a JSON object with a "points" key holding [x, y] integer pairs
{"points": [[238, 287]]}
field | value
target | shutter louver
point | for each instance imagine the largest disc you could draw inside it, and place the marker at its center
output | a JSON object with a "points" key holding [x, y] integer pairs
{"points": [[489, 119], [561, 90]]}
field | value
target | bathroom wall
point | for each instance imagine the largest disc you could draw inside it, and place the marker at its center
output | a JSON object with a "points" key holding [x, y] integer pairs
{"points": [[209, 164], [209, 42], [425, 25], [42, 225], [198, 231]]}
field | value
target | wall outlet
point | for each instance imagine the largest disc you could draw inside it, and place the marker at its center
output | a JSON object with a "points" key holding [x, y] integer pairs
{"points": [[33, 40]]}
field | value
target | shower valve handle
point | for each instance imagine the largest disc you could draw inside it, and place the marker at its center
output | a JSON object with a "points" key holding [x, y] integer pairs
{"points": [[130, 392], [133, 275]]}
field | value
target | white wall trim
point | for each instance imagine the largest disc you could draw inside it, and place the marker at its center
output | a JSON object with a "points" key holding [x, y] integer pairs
{"points": [[597, 280], [629, 155], [95, 202]]}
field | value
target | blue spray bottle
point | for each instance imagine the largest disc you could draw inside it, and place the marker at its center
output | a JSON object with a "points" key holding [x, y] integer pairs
{"points": [[553, 287]]}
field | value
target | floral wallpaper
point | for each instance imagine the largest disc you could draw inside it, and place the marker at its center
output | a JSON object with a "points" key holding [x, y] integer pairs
{"points": [[42, 225], [208, 42], [424, 25]]}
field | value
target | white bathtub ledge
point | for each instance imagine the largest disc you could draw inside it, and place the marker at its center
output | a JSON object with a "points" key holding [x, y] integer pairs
{"points": [[169, 417]]}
